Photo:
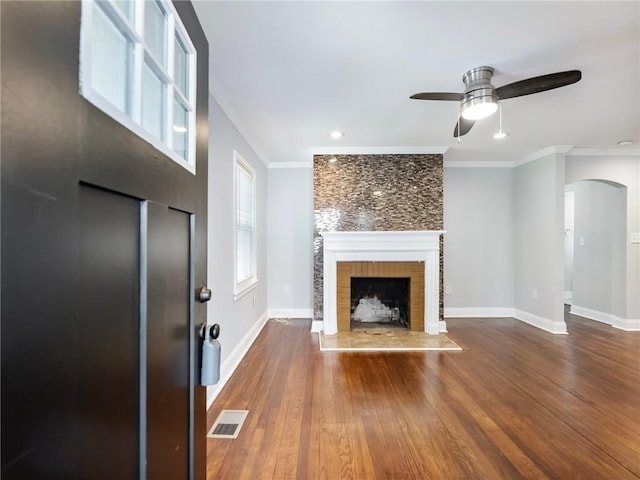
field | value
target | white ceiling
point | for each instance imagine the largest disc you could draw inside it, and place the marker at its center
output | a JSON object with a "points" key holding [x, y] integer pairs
{"points": [[288, 73]]}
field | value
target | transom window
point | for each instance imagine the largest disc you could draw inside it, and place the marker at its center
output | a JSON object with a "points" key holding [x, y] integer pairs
{"points": [[138, 65]]}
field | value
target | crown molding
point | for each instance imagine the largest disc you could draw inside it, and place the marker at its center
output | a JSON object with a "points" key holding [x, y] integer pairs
{"points": [[425, 150], [478, 164], [290, 165], [238, 126], [604, 152], [545, 152]]}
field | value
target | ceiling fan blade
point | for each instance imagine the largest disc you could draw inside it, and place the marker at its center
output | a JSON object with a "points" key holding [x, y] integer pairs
{"points": [[454, 97], [465, 126], [538, 84]]}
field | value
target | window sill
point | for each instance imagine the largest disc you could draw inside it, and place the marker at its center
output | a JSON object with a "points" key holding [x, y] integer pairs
{"points": [[245, 287], [101, 103]]}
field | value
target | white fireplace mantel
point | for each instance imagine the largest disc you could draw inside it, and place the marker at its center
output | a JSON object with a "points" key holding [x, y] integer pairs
{"points": [[396, 246]]}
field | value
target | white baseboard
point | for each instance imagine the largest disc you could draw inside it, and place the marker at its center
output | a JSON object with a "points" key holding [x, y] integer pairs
{"points": [[233, 360], [630, 325], [541, 322], [317, 326], [442, 326], [627, 324], [291, 313], [478, 312], [596, 315], [500, 312]]}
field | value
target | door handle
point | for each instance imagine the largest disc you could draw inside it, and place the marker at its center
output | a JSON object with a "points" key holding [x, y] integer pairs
{"points": [[204, 295]]}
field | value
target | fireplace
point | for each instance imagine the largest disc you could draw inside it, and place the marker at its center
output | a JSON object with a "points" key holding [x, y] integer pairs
{"points": [[410, 255], [380, 301], [378, 272]]}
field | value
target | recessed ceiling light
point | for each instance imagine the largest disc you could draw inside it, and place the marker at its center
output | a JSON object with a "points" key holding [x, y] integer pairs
{"points": [[337, 134], [624, 143]]}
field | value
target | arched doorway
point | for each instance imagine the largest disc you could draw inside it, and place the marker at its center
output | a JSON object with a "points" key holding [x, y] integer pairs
{"points": [[595, 249]]}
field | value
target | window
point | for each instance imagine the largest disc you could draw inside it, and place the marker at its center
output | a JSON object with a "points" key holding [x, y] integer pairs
{"points": [[138, 65], [245, 226]]}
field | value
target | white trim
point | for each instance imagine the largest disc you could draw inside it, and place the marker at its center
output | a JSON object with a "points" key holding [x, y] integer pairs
{"points": [[233, 119], [567, 150], [442, 326], [606, 318], [106, 107], [241, 288], [478, 164], [604, 152], [303, 313], [545, 152], [505, 312], [377, 150], [479, 312], [233, 360], [541, 322], [317, 326], [627, 324], [396, 246], [291, 165], [596, 315]]}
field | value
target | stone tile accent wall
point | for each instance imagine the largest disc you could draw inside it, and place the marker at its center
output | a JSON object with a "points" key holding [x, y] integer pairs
{"points": [[374, 193]]}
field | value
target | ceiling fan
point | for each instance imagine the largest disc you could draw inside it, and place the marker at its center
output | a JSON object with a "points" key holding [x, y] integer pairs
{"points": [[480, 98]]}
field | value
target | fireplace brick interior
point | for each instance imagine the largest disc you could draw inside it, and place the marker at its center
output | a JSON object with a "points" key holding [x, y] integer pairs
{"points": [[412, 270]]}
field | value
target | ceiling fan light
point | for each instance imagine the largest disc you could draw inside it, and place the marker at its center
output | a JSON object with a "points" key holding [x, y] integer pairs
{"points": [[479, 107]]}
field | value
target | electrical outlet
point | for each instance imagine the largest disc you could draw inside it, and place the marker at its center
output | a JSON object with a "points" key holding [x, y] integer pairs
{"points": [[447, 289], [635, 238], [534, 294], [582, 241], [285, 288]]}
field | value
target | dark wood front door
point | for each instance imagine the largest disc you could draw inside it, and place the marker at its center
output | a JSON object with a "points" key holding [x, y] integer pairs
{"points": [[103, 250]]}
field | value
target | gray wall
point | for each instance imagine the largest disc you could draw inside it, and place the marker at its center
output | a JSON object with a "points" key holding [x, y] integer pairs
{"points": [[289, 242], [478, 246], [599, 264], [504, 234], [236, 318], [624, 170], [539, 242]]}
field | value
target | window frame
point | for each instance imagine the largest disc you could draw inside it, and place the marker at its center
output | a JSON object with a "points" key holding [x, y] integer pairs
{"points": [[133, 32], [244, 286]]}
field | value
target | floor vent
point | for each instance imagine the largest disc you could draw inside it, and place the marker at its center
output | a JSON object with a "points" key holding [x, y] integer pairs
{"points": [[228, 424]]}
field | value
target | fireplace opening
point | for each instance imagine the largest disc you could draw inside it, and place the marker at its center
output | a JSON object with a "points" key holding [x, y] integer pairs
{"points": [[379, 301]]}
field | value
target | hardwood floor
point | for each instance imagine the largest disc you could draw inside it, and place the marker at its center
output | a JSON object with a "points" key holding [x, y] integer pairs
{"points": [[517, 402]]}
